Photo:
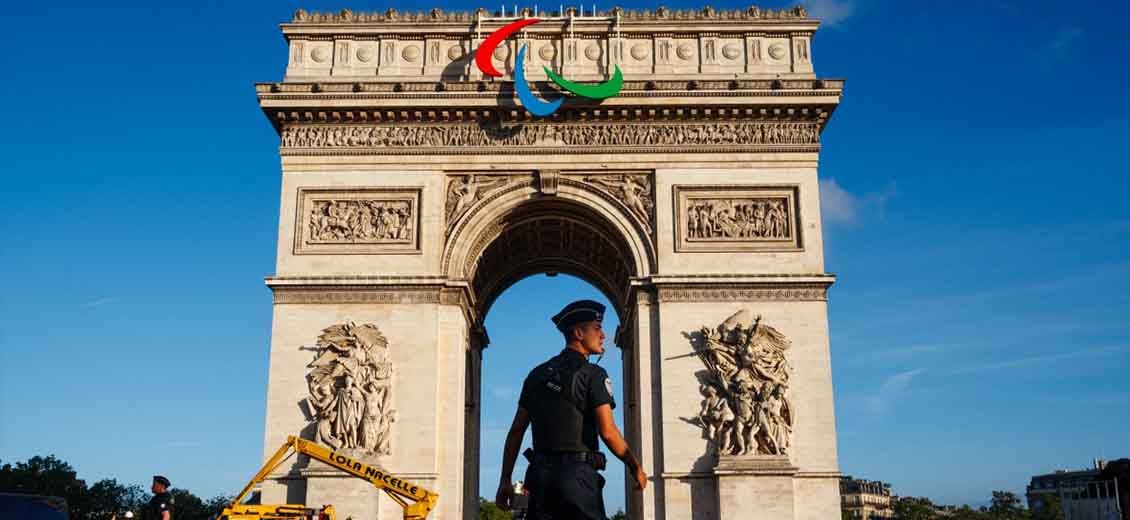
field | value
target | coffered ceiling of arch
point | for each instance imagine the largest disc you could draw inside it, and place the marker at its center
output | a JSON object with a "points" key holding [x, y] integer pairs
{"points": [[550, 236]]}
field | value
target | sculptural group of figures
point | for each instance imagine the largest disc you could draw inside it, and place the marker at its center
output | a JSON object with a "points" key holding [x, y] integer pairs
{"points": [[355, 220], [752, 218], [349, 384], [745, 410]]}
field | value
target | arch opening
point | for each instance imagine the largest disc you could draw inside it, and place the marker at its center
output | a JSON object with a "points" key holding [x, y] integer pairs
{"points": [[521, 338], [504, 243], [551, 235]]}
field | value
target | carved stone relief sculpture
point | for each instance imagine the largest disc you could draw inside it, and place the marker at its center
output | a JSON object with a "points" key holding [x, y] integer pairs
{"points": [[745, 410], [379, 139], [350, 385], [464, 191], [736, 219], [368, 221], [633, 190]]}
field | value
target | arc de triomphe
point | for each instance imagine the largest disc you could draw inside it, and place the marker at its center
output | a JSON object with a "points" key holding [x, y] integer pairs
{"points": [[415, 190]]}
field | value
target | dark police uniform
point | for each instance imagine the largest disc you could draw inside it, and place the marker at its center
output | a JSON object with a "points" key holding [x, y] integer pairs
{"points": [[561, 397], [160, 502]]}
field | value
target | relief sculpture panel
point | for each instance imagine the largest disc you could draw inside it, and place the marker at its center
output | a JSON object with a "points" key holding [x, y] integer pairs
{"points": [[728, 219], [350, 384], [357, 221], [745, 410]]}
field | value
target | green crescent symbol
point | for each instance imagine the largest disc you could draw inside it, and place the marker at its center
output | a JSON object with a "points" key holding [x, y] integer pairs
{"points": [[600, 91]]}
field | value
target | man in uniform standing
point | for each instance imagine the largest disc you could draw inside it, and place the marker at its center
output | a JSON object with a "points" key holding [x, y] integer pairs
{"points": [[569, 402], [160, 507]]}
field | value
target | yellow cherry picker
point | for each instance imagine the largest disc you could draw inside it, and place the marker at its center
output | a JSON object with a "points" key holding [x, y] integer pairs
{"points": [[416, 501]]}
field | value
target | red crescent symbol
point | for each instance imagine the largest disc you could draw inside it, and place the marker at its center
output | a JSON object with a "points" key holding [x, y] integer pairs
{"points": [[482, 54]]}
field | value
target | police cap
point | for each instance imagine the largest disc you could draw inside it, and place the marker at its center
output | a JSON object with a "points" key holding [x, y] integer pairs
{"points": [[579, 311], [162, 481]]}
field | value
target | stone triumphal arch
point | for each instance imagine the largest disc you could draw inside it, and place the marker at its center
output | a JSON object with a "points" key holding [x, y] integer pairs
{"points": [[415, 190]]}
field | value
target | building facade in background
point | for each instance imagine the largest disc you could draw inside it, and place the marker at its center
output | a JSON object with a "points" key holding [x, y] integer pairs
{"points": [[865, 499], [1099, 493]]}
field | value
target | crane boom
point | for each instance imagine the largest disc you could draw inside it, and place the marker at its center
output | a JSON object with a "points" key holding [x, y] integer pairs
{"points": [[416, 500]]}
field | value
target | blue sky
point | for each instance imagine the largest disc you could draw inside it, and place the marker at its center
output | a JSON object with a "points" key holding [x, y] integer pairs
{"points": [[974, 209]]}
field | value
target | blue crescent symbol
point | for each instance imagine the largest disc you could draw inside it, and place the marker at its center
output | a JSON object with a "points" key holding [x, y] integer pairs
{"points": [[536, 106]]}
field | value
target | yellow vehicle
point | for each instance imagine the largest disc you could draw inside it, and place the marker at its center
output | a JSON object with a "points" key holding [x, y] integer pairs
{"points": [[416, 501]]}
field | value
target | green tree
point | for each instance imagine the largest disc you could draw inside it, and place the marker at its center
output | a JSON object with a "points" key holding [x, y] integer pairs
{"points": [[40, 476], [46, 476], [914, 508], [968, 513], [1006, 506], [1052, 508], [187, 506], [619, 515], [489, 511], [107, 497]]}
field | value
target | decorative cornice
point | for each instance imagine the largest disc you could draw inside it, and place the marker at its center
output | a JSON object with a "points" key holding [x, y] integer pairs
{"points": [[744, 292], [436, 15], [478, 102], [737, 278], [363, 294], [276, 282], [490, 89]]}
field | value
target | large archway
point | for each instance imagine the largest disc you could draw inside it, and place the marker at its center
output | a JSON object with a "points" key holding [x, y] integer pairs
{"points": [[521, 337], [521, 231]]}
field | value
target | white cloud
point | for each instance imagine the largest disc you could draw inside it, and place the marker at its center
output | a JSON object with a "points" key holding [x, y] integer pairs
{"points": [[836, 203], [1044, 358], [829, 12], [891, 389], [840, 205], [99, 302], [1064, 40]]}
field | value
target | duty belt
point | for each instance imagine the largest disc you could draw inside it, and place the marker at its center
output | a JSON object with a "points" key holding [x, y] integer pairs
{"points": [[595, 459]]}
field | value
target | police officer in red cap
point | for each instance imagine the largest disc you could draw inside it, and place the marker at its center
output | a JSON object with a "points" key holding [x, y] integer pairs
{"points": [[569, 403], [160, 507]]}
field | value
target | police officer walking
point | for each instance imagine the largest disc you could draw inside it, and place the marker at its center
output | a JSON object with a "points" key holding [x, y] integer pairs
{"points": [[569, 403], [160, 507]]}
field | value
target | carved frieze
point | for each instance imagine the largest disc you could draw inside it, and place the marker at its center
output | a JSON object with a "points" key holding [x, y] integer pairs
{"points": [[357, 221], [660, 137], [350, 385], [745, 409], [727, 219]]}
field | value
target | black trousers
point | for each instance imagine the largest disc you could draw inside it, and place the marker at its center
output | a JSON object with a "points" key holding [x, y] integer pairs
{"points": [[565, 491]]}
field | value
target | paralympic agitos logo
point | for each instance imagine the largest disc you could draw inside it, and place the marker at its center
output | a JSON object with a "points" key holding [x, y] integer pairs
{"points": [[532, 103]]}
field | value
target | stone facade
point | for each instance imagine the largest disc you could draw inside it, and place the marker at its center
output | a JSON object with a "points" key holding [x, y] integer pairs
{"points": [[865, 499], [415, 191]]}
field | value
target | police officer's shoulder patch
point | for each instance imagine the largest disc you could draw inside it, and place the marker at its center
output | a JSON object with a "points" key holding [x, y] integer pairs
{"points": [[608, 385]]}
